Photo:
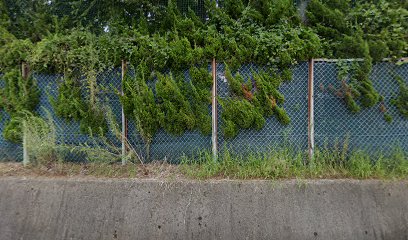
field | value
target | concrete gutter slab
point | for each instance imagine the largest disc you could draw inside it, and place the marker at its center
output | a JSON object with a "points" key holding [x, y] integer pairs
{"points": [[63, 208]]}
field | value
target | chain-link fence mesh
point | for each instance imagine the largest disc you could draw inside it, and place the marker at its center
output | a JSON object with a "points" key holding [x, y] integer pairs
{"points": [[168, 147], [163, 147], [334, 123], [8, 150], [366, 130], [274, 134], [68, 131]]}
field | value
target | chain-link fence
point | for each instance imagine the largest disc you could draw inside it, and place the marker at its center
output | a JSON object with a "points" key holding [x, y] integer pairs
{"points": [[68, 131], [367, 129], [273, 134], [8, 150], [334, 123], [168, 147]]}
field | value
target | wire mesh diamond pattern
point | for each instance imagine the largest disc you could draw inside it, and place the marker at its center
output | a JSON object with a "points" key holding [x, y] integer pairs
{"points": [[8, 150], [274, 134], [366, 130], [168, 147], [333, 121], [68, 131]]}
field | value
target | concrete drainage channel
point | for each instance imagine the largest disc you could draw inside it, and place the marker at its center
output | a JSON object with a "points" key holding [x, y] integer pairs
{"points": [[45, 208]]}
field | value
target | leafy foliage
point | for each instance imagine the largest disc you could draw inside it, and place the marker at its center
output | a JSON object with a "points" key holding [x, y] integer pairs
{"points": [[93, 36], [176, 113], [375, 28], [93, 121], [356, 89], [18, 94], [75, 55], [40, 139], [17, 97], [167, 101], [372, 30], [13, 53], [252, 101], [68, 103], [401, 101], [139, 104], [199, 94]]}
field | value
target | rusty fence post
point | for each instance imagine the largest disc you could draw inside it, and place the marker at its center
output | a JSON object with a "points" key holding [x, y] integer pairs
{"points": [[25, 70], [214, 137], [310, 107]]}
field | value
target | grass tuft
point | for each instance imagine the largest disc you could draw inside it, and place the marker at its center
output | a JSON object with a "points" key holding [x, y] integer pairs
{"points": [[285, 163]]}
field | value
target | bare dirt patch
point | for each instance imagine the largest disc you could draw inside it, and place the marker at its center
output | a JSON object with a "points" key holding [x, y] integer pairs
{"points": [[155, 170]]}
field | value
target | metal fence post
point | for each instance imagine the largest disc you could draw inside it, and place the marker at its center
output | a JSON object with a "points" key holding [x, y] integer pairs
{"points": [[26, 157], [124, 121], [214, 137], [310, 107]]}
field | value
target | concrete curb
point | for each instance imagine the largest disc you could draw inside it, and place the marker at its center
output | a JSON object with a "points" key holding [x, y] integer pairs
{"points": [[63, 208]]}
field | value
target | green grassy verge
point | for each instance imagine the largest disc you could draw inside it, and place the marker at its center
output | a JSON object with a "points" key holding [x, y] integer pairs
{"points": [[285, 164], [282, 163]]}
